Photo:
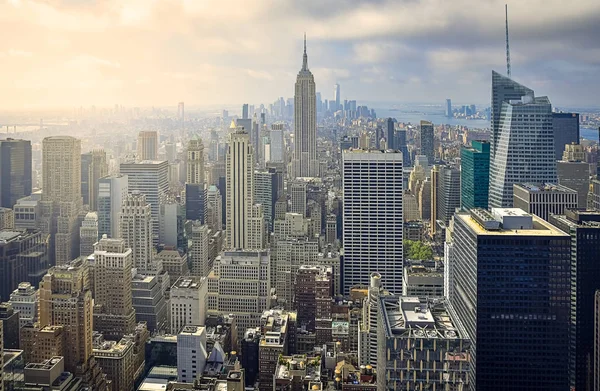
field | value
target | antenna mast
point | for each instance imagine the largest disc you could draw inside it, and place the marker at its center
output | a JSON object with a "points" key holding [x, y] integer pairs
{"points": [[507, 47]]}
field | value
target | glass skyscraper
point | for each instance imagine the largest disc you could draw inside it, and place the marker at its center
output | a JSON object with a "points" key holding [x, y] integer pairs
{"points": [[475, 175], [15, 171], [427, 138], [566, 131]]}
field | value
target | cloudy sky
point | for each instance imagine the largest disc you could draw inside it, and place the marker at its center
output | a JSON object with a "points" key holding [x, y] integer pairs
{"points": [[65, 53]]}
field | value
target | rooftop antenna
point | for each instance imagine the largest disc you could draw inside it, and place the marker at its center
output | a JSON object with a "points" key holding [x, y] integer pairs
{"points": [[507, 47]]}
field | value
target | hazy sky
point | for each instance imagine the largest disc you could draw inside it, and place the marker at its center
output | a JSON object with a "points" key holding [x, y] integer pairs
{"points": [[158, 52]]}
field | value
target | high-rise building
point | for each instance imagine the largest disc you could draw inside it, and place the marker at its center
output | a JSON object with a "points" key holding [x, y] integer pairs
{"points": [[188, 303], [435, 184], [336, 96], [198, 254], [367, 327], [172, 223], [25, 300], [277, 330], [406, 324], [475, 175], [427, 141], [277, 143], [240, 189], [522, 143], [181, 117], [147, 145], [448, 193], [10, 322], [112, 191], [116, 359], [23, 257], [214, 218], [15, 171], [507, 318], [114, 315], [195, 162], [574, 172], [245, 111], [448, 110], [584, 228], [136, 230], [93, 167], [88, 234], [298, 194], [391, 134], [544, 199], [191, 353], [61, 198], [312, 298], [565, 127], [265, 193], [149, 302], [305, 162], [240, 284], [372, 217]]}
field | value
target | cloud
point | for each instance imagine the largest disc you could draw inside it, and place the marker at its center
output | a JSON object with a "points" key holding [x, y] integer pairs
{"points": [[16, 53]]}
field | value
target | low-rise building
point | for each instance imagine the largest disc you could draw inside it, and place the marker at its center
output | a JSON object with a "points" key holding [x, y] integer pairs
{"points": [[25, 300], [277, 330], [298, 373], [422, 279]]}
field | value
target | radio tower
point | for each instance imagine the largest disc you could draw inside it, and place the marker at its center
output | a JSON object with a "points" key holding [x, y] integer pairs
{"points": [[507, 47]]}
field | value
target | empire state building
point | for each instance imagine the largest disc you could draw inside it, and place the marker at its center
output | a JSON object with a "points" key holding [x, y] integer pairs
{"points": [[305, 162]]}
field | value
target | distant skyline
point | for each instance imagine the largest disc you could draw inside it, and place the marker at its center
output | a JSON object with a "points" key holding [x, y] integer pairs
{"points": [[71, 53]]}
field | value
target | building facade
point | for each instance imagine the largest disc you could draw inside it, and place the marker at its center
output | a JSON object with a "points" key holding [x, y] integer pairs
{"points": [[112, 191], [15, 171], [427, 141], [545, 199], [475, 175]]}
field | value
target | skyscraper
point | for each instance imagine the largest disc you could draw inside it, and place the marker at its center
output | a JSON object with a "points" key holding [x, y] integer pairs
{"points": [[112, 191], [522, 144], [15, 171], [61, 198], [574, 172], [88, 234], [265, 193], [449, 108], [114, 315], [195, 189], [305, 163], [427, 138], [475, 175], [510, 289], [584, 228], [336, 96], [448, 193], [391, 134], [565, 128], [372, 219], [198, 252], [195, 161], [245, 111], [93, 167], [147, 145], [136, 230], [240, 188]]}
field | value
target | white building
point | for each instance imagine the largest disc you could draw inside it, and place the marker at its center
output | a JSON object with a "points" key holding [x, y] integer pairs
{"points": [[188, 303], [88, 234], [372, 228], [136, 230], [25, 300], [240, 284], [112, 191], [191, 353]]}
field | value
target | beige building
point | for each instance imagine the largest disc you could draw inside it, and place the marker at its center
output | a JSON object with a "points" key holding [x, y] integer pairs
{"points": [[7, 218], [41, 343], [117, 361], [136, 230], [147, 145], [188, 303], [88, 234], [195, 162], [114, 315]]}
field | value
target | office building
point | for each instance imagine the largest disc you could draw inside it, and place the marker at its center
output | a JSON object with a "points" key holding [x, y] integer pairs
{"points": [[214, 218], [25, 300], [424, 200], [7, 218], [391, 134], [149, 303], [402, 147], [305, 162], [172, 219], [406, 326], [9, 318], [240, 189], [427, 141], [191, 353], [40, 343], [435, 184], [423, 278], [277, 143], [114, 315], [1, 357], [174, 262], [291, 253], [372, 217], [188, 303], [116, 360], [49, 374], [240, 284], [23, 257], [198, 254], [136, 230], [475, 175], [544, 199], [506, 317], [245, 111], [565, 127], [61, 198], [448, 193], [313, 296], [277, 329], [448, 110], [584, 228], [574, 172], [195, 161], [367, 326], [88, 234], [112, 191], [196, 202], [150, 178], [298, 371], [336, 97], [298, 190], [93, 167], [15, 171], [522, 143], [265, 193], [147, 145]]}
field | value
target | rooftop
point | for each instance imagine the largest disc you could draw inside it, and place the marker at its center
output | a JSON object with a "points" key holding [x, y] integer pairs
{"points": [[188, 282], [544, 187], [299, 365], [503, 222]]}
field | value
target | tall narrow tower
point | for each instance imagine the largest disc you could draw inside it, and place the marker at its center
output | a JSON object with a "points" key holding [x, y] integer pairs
{"points": [[507, 47], [305, 163], [136, 230]]}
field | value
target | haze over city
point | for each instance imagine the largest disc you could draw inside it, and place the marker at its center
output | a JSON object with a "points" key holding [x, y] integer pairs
{"points": [[63, 54]]}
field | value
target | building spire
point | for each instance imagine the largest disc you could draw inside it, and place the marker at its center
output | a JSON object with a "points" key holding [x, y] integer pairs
{"points": [[305, 56]]}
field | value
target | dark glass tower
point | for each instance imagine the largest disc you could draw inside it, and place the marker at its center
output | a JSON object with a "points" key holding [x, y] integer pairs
{"points": [[15, 171], [427, 147], [509, 283], [475, 175], [566, 131], [391, 134], [584, 228]]}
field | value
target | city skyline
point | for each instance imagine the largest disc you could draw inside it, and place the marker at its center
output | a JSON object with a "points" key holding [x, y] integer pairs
{"points": [[175, 54]]}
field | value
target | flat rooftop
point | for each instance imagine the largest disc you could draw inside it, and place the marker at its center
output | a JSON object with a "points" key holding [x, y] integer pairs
{"points": [[544, 187], [540, 227]]}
